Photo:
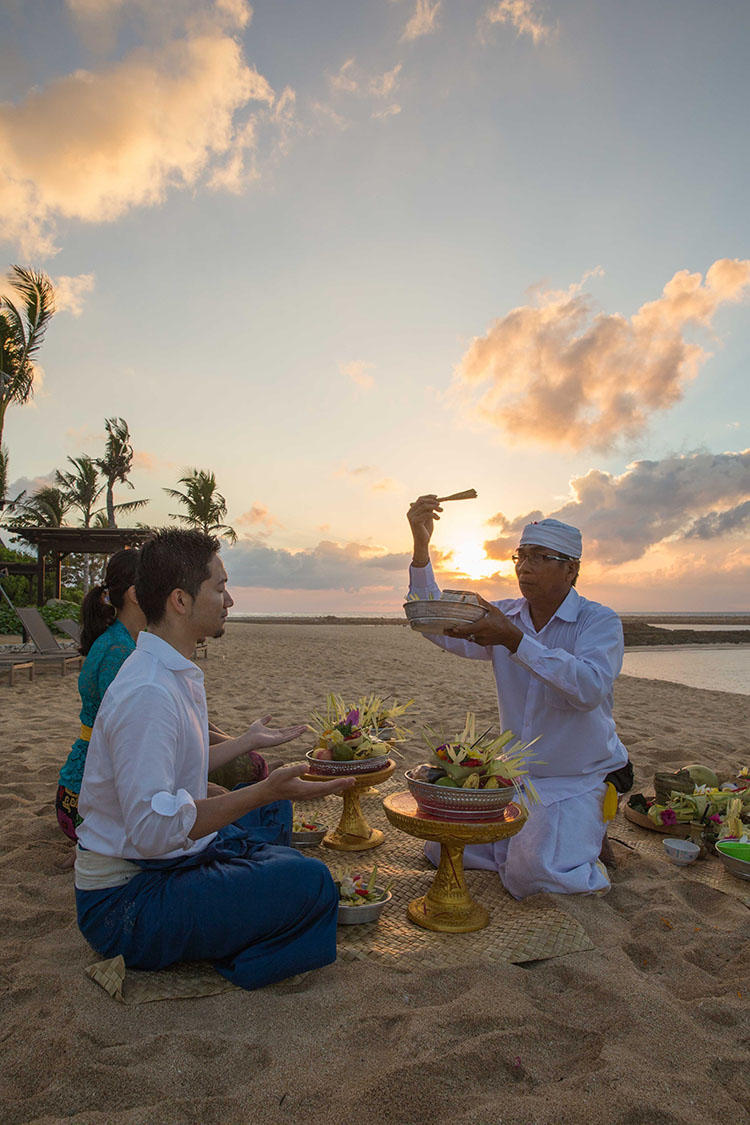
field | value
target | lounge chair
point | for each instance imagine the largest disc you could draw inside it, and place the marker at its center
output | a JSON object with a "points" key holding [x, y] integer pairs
{"points": [[71, 627], [15, 664], [48, 651]]}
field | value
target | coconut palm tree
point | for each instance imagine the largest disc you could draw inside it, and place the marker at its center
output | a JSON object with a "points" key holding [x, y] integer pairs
{"points": [[81, 488], [205, 508], [115, 466], [23, 323], [46, 508]]}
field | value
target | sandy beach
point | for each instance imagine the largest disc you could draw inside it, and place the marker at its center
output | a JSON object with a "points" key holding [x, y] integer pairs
{"points": [[650, 1026]]}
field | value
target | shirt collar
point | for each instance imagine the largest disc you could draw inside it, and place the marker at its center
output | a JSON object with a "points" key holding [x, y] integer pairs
{"points": [[568, 609], [166, 653]]}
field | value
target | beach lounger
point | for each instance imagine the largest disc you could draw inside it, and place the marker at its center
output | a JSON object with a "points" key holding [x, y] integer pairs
{"points": [[71, 627], [48, 651], [15, 665]]}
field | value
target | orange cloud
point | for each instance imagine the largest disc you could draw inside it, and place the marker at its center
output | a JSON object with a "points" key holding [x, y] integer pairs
{"points": [[423, 21], [71, 291], [560, 373], [94, 144], [259, 517], [523, 15], [358, 371]]}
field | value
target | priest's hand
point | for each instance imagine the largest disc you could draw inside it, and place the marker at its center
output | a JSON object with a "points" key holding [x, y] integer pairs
{"points": [[492, 629], [421, 516]]}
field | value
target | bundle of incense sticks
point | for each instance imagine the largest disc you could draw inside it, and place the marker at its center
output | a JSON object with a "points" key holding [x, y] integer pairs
{"points": [[469, 494]]}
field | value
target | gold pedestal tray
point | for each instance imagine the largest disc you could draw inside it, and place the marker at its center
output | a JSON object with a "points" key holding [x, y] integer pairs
{"points": [[448, 907], [353, 833]]}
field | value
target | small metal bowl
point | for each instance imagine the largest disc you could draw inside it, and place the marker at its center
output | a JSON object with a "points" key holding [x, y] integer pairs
{"points": [[454, 607], [327, 768], [309, 839], [731, 853], [449, 803], [367, 912]]}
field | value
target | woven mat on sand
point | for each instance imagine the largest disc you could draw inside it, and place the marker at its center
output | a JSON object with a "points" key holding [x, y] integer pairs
{"points": [[518, 931], [710, 871]]}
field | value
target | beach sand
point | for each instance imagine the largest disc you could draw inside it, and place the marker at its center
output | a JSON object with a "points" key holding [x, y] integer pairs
{"points": [[651, 1026]]}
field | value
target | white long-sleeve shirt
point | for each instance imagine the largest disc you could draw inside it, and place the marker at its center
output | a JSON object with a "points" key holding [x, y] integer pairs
{"points": [[147, 761], [558, 684]]}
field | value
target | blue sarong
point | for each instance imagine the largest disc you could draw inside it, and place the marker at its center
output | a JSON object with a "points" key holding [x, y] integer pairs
{"points": [[253, 906]]}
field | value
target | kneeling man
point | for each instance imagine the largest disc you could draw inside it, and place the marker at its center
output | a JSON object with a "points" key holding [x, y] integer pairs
{"points": [[555, 657], [163, 872]]}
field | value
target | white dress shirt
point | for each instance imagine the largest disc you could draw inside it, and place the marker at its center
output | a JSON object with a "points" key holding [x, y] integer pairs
{"points": [[558, 684], [147, 761]]}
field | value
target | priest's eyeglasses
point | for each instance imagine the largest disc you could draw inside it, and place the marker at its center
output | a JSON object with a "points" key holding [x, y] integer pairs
{"points": [[535, 561]]}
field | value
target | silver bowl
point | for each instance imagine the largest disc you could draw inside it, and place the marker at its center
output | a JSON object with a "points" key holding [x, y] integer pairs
{"points": [[308, 839], [367, 912], [448, 803], [345, 769], [454, 607], [733, 864]]}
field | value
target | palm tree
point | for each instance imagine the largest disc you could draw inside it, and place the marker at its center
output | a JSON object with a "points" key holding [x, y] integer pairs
{"points": [[22, 327], [115, 466], [46, 508], [81, 488], [205, 508]]}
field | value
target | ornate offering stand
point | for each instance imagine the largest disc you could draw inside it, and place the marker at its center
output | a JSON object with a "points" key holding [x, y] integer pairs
{"points": [[353, 833], [448, 907]]}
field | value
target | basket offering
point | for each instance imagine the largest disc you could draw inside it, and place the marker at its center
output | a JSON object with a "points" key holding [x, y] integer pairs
{"points": [[436, 615], [473, 777], [360, 898], [711, 811], [356, 738], [305, 832]]}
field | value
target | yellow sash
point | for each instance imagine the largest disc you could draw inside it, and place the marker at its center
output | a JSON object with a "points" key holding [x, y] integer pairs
{"points": [[609, 810], [85, 735]]}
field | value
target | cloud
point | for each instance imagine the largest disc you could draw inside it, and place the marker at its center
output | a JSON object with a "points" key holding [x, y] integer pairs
{"points": [[71, 291], [560, 373], [328, 566], [387, 484], [389, 111], [358, 371], [681, 498], [523, 16], [260, 518], [30, 485], [92, 145], [423, 21], [345, 80]]}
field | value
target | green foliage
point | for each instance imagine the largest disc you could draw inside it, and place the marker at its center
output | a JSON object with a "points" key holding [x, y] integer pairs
{"points": [[9, 623]]}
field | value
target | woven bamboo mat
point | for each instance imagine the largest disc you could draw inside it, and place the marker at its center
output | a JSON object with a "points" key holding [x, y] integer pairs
{"points": [[710, 871], [518, 931]]}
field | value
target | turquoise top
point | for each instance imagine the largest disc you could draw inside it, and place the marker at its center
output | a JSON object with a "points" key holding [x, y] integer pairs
{"points": [[103, 661]]}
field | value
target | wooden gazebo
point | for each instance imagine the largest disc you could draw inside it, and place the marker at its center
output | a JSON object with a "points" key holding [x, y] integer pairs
{"points": [[58, 542]]}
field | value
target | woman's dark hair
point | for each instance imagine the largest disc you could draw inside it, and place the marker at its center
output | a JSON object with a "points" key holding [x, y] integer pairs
{"points": [[173, 559], [100, 605]]}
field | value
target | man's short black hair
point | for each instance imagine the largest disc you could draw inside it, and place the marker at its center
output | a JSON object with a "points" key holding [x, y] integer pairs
{"points": [[172, 559]]}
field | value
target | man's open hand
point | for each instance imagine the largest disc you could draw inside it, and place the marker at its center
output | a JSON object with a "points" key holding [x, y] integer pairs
{"points": [[260, 736], [286, 784]]}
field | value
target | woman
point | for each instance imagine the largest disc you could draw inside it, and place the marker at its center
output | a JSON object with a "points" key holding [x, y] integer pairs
{"points": [[111, 621]]}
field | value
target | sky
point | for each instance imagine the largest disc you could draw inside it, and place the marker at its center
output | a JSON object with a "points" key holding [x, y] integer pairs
{"points": [[348, 252]]}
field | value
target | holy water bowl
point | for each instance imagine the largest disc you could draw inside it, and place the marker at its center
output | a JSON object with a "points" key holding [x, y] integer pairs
{"points": [[454, 607], [735, 857], [449, 803], [681, 852], [327, 768]]}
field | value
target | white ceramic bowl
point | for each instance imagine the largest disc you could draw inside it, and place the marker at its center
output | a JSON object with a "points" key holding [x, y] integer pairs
{"points": [[367, 912], [327, 768], [681, 852], [454, 607]]}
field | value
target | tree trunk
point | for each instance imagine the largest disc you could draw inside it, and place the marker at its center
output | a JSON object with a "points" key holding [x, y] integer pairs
{"points": [[110, 506]]}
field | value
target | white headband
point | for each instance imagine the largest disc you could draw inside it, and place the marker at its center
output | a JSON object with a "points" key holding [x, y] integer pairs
{"points": [[554, 534]]}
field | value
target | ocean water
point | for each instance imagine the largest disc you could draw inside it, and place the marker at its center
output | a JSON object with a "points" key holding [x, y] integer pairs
{"points": [[713, 667]]}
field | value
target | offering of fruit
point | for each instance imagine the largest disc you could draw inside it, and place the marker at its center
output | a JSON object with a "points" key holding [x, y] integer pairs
{"points": [[478, 762], [366, 730]]}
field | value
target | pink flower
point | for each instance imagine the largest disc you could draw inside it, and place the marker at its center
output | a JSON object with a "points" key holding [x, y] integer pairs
{"points": [[715, 818], [668, 816]]}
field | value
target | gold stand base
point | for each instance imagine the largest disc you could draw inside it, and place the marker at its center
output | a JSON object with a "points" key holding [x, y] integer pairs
{"points": [[448, 907], [353, 833]]}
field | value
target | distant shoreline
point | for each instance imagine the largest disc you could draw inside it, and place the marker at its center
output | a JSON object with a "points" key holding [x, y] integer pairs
{"points": [[638, 631]]}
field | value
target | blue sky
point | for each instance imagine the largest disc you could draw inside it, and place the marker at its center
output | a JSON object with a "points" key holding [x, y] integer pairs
{"points": [[343, 253]]}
